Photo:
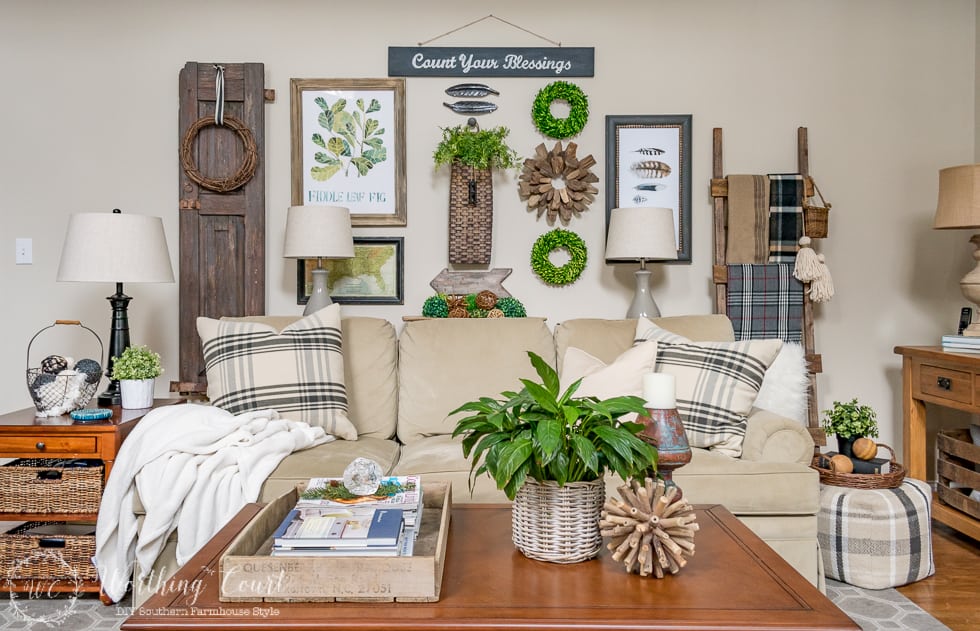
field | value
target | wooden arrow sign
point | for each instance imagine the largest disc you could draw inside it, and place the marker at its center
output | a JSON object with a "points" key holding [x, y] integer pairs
{"points": [[447, 282]]}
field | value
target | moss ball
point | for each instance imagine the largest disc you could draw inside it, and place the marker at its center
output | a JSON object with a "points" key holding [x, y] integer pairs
{"points": [[511, 307], [435, 307]]}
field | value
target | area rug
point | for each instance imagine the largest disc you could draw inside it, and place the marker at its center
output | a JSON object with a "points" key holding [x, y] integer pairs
{"points": [[873, 610]]}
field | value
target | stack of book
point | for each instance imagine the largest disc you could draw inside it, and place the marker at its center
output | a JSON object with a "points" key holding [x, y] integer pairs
{"points": [[329, 520], [961, 344]]}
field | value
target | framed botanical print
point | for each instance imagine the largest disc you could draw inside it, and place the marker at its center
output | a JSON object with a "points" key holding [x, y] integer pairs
{"points": [[348, 147]]}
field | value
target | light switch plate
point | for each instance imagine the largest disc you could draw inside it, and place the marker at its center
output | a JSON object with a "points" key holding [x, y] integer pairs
{"points": [[24, 251]]}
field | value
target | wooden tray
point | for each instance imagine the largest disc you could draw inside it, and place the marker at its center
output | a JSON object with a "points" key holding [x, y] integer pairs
{"points": [[250, 574], [958, 460]]}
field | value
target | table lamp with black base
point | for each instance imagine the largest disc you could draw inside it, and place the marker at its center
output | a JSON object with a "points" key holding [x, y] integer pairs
{"points": [[115, 248]]}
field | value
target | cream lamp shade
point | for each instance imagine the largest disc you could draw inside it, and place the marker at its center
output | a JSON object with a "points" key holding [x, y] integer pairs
{"points": [[115, 248], [644, 234], [320, 232], [959, 207]]}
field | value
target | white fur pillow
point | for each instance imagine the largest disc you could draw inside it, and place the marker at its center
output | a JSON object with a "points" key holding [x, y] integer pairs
{"points": [[784, 388]]}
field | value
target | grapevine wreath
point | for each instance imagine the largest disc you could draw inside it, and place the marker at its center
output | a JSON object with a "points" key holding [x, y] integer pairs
{"points": [[546, 122], [245, 171], [548, 243]]}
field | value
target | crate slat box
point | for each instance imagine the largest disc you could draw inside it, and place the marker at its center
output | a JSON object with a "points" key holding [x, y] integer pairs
{"points": [[958, 462], [250, 574]]}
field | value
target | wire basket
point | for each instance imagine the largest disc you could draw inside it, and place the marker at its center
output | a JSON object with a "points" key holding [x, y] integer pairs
{"points": [[58, 388]]}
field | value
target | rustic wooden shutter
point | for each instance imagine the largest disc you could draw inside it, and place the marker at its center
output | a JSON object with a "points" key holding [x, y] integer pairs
{"points": [[222, 235]]}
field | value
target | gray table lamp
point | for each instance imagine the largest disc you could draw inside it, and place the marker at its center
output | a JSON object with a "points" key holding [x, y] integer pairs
{"points": [[641, 234], [115, 248], [959, 207], [320, 232]]}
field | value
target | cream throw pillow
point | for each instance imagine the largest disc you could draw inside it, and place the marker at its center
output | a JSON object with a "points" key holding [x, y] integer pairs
{"points": [[717, 383], [623, 377], [299, 371]]}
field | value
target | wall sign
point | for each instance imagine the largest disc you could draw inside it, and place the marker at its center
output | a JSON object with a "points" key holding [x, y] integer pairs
{"points": [[444, 61]]}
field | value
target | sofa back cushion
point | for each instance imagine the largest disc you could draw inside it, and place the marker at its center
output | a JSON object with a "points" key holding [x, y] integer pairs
{"points": [[370, 349], [445, 362], [608, 339]]}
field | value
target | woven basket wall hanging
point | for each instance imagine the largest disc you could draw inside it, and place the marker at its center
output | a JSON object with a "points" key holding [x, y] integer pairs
{"points": [[470, 214]]}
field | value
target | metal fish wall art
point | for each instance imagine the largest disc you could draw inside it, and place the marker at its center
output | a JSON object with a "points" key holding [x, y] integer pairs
{"points": [[470, 90], [651, 168], [472, 107], [649, 187], [639, 199], [650, 151]]}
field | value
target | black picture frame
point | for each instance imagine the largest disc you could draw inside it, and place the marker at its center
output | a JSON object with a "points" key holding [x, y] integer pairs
{"points": [[390, 291], [665, 139]]}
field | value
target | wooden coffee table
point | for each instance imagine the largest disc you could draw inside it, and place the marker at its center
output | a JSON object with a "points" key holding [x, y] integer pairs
{"points": [[735, 581]]}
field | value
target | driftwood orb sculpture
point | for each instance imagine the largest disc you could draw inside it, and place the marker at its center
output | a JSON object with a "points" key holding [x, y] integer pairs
{"points": [[651, 530], [557, 182]]}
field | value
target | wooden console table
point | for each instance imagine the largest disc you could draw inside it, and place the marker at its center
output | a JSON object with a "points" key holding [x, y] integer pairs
{"points": [[952, 380]]}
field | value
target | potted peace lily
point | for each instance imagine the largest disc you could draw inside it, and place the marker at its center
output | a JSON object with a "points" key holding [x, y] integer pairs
{"points": [[136, 369], [850, 421], [548, 451]]}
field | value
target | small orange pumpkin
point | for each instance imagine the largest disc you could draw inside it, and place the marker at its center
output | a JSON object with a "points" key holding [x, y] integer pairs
{"points": [[864, 448], [841, 464]]}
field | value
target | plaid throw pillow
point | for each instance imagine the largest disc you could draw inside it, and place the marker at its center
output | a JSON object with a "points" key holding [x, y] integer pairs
{"points": [[299, 371], [717, 383]]}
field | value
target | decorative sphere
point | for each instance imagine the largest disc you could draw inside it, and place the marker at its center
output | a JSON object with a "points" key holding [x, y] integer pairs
{"points": [[363, 476], [91, 368], [53, 364], [841, 464], [42, 380], [864, 448]]}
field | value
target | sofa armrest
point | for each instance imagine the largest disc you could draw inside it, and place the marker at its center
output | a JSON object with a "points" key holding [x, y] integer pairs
{"points": [[770, 437]]}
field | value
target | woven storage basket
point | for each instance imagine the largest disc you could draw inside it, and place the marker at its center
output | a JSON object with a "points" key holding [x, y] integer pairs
{"points": [[816, 218], [470, 214], [558, 523], [892, 479], [24, 556], [33, 485]]}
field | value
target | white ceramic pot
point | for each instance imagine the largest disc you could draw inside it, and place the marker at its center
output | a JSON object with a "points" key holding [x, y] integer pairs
{"points": [[136, 393]]}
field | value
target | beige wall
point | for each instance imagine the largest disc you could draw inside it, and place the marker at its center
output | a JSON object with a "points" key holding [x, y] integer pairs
{"points": [[885, 87]]}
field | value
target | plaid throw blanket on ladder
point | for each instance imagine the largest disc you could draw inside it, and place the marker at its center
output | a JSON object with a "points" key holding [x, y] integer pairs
{"points": [[765, 301], [785, 216]]}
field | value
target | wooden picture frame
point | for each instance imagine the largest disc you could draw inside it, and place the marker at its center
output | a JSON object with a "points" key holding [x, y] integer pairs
{"points": [[348, 147], [375, 276], [648, 163]]}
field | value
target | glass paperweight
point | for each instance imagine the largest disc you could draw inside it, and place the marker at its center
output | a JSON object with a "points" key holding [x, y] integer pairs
{"points": [[363, 476]]}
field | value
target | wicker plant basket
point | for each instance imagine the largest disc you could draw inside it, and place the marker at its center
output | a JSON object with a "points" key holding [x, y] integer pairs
{"points": [[24, 556], [33, 485], [892, 479], [558, 523], [470, 214]]}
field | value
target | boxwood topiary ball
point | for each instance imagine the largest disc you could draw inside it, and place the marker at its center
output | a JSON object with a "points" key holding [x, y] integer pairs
{"points": [[53, 364]]}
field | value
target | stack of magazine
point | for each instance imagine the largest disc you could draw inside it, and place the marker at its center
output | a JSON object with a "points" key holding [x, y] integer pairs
{"points": [[329, 520], [961, 344]]}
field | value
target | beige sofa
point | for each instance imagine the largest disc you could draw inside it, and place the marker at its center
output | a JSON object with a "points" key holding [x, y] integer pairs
{"points": [[402, 387]]}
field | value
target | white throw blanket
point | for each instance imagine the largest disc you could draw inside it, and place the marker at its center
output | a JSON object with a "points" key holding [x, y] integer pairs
{"points": [[195, 466]]}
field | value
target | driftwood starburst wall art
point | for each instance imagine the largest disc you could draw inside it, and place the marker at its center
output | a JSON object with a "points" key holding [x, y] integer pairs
{"points": [[557, 182]]}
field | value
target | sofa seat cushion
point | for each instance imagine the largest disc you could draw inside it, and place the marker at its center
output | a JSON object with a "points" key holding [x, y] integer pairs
{"points": [[748, 487], [440, 459], [328, 460]]}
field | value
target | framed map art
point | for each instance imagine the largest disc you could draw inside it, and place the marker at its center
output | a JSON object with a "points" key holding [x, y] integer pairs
{"points": [[375, 276], [348, 147]]}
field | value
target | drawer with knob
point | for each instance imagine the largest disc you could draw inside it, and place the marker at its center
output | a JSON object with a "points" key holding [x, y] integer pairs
{"points": [[945, 383], [53, 445]]}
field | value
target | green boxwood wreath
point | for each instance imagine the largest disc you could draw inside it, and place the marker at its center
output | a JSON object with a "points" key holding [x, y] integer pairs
{"points": [[560, 128], [554, 240]]}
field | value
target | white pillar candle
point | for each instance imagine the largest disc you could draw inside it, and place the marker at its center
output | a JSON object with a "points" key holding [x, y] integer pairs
{"points": [[660, 391]]}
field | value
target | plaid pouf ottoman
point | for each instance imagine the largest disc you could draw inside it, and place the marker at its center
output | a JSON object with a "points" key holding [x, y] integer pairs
{"points": [[876, 538]]}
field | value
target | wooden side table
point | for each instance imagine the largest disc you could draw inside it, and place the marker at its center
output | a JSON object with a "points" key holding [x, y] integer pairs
{"points": [[952, 380], [22, 435]]}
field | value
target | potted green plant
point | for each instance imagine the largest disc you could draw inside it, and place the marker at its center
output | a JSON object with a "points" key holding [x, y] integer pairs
{"points": [[135, 370], [548, 451], [472, 153], [850, 421]]}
